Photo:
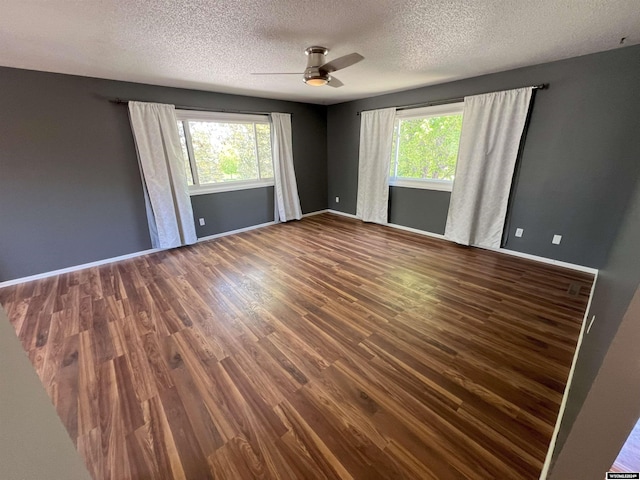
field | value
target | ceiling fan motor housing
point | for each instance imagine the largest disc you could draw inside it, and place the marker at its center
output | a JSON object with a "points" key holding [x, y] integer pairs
{"points": [[316, 56], [312, 74]]}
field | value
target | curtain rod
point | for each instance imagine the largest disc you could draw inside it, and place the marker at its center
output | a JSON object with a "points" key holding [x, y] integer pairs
{"points": [[542, 86], [120, 101]]}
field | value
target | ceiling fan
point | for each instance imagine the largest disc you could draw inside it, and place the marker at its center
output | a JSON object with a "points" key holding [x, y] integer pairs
{"points": [[318, 71]]}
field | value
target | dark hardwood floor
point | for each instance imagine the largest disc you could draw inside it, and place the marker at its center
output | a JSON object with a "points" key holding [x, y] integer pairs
{"points": [[325, 348]]}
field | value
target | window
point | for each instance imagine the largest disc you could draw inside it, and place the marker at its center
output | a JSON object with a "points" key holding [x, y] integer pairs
{"points": [[425, 147], [225, 151]]}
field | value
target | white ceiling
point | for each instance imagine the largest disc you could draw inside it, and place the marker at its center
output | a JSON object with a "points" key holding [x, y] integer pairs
{"points": [[215, 45]]}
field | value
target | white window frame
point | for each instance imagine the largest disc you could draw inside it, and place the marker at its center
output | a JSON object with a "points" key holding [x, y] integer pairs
{"points": [[223, 117], [424, 112]]}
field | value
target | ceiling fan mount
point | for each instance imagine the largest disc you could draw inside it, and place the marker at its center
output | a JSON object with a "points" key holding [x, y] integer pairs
{"points": [[318, 71], [311, 50]]}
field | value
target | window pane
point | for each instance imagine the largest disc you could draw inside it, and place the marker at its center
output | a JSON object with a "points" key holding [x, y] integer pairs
{"points": [[428, 147], [263, 131], [224, 151], [185, 155]]}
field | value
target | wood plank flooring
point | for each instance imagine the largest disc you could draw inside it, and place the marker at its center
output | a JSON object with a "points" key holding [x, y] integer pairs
{"points": [[320, 349]]}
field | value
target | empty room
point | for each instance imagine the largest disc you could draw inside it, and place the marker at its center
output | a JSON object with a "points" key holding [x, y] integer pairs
{"points": [[350, 240]]}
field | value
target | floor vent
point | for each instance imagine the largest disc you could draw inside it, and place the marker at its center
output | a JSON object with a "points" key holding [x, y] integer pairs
{"points": [[574, 289]]}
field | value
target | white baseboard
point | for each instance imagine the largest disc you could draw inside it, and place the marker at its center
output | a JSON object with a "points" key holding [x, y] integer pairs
{"points": [[97, 263], [232, 232], [318, 212], [415, 230], [261, 225], [565, 395], [344, 214], [505, 251], [549, 261], [253, 227]]}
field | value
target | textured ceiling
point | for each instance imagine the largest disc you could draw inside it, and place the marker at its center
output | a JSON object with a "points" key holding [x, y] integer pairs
{"points": [[215, 45]]}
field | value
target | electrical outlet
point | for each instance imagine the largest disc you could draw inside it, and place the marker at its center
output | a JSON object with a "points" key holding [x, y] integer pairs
{"points": [[201, 220], [556, 239], [519, 232], [337, 199]]}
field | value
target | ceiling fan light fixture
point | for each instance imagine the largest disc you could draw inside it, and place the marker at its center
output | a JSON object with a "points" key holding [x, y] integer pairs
{"points": [[315, 77], [316, 81]]}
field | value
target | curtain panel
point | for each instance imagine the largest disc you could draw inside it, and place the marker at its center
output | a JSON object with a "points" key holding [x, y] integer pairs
{"points": [[492, 128], [376, 137], [286, 189], [164, 179]]}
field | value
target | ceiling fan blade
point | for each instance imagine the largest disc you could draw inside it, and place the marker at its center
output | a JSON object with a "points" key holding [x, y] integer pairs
{"points": [[341, 62], [335, 83], [278, 73]]}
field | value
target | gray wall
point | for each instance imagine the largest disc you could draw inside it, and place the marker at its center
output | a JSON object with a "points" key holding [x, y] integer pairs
{"points": [[579, 163], [70, 190], [610, 411], [617, 282], [33, 443], [227, 211], [431, 216]]}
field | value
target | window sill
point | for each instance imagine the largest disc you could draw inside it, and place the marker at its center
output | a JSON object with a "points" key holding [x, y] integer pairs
{"points": [[440, 185], [229, 187]]}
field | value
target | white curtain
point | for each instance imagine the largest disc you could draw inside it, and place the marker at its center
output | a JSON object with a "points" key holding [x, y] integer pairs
{"points": [[376, 137], [492, 128], [163, 174], [286, 189]]}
